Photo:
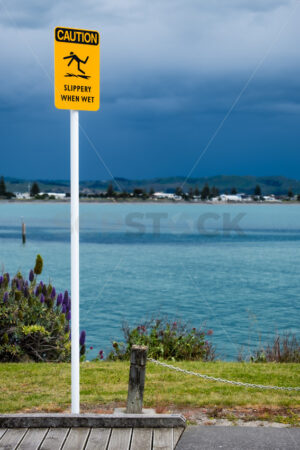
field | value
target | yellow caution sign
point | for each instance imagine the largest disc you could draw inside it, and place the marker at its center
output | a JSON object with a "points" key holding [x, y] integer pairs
{"points": [[77, 69]]}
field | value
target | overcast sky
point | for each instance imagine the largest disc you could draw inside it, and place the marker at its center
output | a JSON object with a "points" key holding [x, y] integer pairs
{"points": [[171, 71]]}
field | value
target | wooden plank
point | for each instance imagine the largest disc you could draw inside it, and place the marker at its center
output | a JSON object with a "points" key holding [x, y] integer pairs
{"points": [[120, 439], [55, 439], [12, 438], [58, 420], [163, 439], [177, 432], [33, 439], [98, 439], [2, 431], [141, 439], [76, 439]]}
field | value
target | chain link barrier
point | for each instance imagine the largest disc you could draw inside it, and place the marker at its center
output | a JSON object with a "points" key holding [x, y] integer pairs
{"points": [[222, 380]]}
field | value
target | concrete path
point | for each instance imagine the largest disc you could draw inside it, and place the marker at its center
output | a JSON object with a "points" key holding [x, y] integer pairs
{"points": [[238, 438]]}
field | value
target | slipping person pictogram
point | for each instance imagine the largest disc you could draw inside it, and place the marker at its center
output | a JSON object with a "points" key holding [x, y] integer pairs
{"points": [[74, 57]]}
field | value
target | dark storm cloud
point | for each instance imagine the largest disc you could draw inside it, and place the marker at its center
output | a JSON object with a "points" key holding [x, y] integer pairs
{"points": [[170, 71]]}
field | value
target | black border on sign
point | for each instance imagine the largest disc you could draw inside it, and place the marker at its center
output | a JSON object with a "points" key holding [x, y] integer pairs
{"points": [[57, 29]]}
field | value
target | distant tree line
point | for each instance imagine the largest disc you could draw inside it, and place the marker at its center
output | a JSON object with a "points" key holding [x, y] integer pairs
{"points": [[3, 192], [34, 190], [204, 194]]}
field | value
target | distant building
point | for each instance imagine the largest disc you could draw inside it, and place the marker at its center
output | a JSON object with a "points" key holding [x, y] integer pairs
{"points": [[228, 198], [56, 195], [165, 195], [232, 198], [22, 195], [271, 198]]}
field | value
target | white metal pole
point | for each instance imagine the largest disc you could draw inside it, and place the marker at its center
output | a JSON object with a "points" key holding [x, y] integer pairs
{"points": [[75, 357]]}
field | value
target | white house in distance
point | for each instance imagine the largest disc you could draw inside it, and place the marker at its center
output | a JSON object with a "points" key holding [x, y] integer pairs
{"points": [[57, 195], [271, 198], [229, 198], [165, 195], [22, 195]]}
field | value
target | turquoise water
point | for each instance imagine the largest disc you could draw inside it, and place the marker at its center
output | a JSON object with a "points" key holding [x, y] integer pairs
{"points": [[234, 268]]}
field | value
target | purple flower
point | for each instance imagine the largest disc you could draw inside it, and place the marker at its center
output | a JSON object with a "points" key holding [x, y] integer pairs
{"points": [[68, 316], [64, 309], [59, 299], [31, 276], [66, 296], [53, 293], [82, 338], [1, 280], [41, 284], [5, 297], [42, 299], [37, 291]]}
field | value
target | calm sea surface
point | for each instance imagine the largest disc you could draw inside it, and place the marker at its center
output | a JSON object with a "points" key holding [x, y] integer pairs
{"points": [[234, 268]]}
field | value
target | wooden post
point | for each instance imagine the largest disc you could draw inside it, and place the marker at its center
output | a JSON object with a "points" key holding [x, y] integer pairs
{"points": [[23, 233], [138, 360]]}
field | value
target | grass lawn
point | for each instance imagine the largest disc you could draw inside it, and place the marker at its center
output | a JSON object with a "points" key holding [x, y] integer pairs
{"points": [[46, 386]]}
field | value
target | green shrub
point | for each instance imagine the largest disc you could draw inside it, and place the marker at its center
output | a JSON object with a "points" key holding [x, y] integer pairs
{"points": [[34, 320], [165, 340]]}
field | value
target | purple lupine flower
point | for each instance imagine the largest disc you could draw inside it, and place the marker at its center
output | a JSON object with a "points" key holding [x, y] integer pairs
{"points": [[42, 299], [41, 284], [26, 283], [53, 293], [66, 296], [68, 316], [26, 292], [17, 283], [59, 299], [64, 309], [37, 291], [82, 338], [31, 276], [1, 280], [5, 297]]}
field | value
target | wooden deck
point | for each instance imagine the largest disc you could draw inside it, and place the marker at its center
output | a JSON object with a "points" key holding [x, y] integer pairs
{"points": [[89, 438], [118, 436]]}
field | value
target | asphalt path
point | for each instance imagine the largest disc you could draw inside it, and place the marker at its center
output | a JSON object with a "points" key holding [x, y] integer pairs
{"points": [[216, 437]]}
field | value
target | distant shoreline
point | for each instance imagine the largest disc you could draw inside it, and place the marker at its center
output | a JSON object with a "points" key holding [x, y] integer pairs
{"points": [[148, 201]]}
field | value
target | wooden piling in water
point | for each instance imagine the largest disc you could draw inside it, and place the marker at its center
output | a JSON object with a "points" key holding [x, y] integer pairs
{"points": [[138, 360], [23, 233]]}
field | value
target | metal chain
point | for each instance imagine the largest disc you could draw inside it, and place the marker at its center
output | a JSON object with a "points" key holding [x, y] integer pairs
{"points": [[222, 380]]}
